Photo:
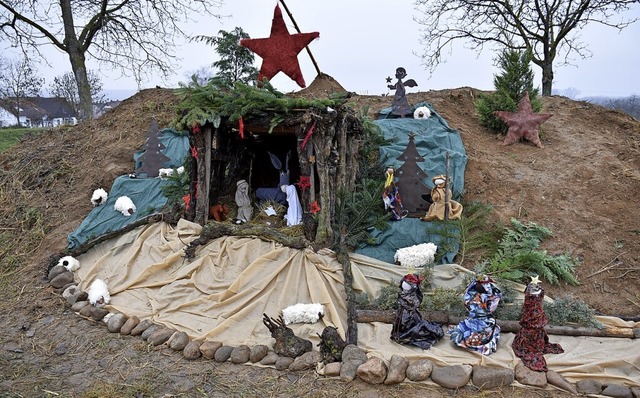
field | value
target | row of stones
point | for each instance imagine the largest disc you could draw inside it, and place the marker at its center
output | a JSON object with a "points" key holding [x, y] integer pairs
{"points": [[355, 362]]}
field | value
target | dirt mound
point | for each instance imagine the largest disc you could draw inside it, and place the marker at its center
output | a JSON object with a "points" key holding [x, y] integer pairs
{"points": [[583, 186], [323, 86]]}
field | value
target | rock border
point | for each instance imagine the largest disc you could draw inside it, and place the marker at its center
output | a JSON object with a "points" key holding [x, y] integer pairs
{"points": [[355, 362]]}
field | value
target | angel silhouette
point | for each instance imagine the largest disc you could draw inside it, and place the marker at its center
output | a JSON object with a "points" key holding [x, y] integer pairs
{"points": [[400, 105]]}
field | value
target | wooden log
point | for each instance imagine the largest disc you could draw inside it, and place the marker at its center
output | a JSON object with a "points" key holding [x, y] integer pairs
{"points": [[352, 313], [213, 230], [368, 316]]}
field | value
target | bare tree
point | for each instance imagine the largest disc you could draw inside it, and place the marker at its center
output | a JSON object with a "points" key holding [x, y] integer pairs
{"points": [[65, 86], [547, 28], [630, 105], [137, 37], [18, 79]]}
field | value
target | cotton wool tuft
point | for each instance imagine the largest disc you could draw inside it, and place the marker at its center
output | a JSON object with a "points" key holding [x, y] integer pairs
{"points": [[303, 313]]}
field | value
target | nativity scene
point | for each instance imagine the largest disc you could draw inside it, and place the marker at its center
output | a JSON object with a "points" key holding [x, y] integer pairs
{"points": [[271, 217]]}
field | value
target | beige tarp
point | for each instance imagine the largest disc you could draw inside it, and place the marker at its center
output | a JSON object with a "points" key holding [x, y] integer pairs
{"points": [[222, 293]]}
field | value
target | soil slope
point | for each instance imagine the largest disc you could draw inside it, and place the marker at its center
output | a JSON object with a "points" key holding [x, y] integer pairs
{"points": [[583, 186]]}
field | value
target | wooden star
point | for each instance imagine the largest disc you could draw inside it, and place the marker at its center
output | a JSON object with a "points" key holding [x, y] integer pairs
{"points": [[280, 50], [535, 280], [523, 124]]}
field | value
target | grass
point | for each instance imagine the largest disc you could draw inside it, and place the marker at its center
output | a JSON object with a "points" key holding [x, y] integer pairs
{"points": [[11, 136]]}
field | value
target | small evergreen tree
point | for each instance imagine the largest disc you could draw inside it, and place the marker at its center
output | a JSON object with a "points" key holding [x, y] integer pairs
{"points": [[236, 62], [516, 79]]}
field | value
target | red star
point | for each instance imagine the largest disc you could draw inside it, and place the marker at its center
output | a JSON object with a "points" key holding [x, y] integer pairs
{"points": [[523, 123], [279, 51]]}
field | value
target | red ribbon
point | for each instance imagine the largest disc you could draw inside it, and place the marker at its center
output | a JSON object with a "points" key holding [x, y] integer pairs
{"points": [[241, 127], [306, 138]]}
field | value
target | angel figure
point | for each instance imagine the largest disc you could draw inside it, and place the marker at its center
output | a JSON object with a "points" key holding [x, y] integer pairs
{"points": [[400, 106]]}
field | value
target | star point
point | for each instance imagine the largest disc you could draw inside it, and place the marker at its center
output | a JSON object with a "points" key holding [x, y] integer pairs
{"points": [[523, 124], [279, 51]]}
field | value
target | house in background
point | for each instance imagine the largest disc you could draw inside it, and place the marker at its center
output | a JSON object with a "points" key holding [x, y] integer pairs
{"points": [[38, 112], [100, 109]]}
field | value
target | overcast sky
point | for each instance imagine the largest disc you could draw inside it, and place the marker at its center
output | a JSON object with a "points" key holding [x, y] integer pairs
{"points": [[363, 41]]}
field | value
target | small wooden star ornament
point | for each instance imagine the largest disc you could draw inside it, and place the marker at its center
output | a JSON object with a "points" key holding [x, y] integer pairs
{"points": [[280, 50], [535, 280], [523, 124]]}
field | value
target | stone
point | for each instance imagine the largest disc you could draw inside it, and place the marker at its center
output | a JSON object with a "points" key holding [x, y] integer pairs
{"points": [[308, 360], [529, 377], [374, 371], [86, 310], [129, 325], [556, 380], [161, 336], [62, 279], [209, 348], [419, 370], [178, 341], [352, 357], [270, 359], [116, 322], [452, 377], [397, 370], [141, 327], [283, 363], [96, 313], [223, 353], [589, 386], [332, 369], [488, 377], [61, 349], [617, 391], [150, 330], [240, 354], [55, 271], [70, 290], [79, 296], [192, 350], [78, 305], [258, 353]]}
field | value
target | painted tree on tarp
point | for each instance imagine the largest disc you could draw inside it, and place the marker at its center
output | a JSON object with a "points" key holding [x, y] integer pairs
{"points": [[152, 159], [410, 177]]}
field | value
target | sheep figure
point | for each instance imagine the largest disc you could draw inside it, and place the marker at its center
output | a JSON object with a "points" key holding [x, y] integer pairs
{"points": [[99, 197], [166, 173], [303, 313], [416, 256], [99, 293], [125, 206], [70, 263], [422, 112]]}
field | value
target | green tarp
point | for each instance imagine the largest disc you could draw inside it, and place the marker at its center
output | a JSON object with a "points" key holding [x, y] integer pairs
{"points": [[146, 194], [433, 139]]}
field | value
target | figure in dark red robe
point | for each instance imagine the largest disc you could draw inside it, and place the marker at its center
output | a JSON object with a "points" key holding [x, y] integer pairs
{"points": [[531, 341]]}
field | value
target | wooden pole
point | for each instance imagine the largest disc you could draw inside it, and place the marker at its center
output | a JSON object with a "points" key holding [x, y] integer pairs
{"points": [[368, 316], [447, 199], [313, 60]]}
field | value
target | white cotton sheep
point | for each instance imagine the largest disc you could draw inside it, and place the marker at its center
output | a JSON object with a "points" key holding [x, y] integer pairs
{"points": [[303, 313], [99, 293], [416, 256], [70, 263], [99, 197], [125, 206], [422, 112], [166, 173]]}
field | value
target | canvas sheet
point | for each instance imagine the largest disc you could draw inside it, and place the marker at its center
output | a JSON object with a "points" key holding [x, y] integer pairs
{"points": [[146, 194], [222, 294]]}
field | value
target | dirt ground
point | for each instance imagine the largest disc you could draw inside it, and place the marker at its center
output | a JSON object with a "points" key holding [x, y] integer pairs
{"points": [[583, 186]]}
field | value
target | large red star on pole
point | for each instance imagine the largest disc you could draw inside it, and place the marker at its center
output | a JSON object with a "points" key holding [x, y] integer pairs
{"points": [[280, 50], [523, 124]]}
